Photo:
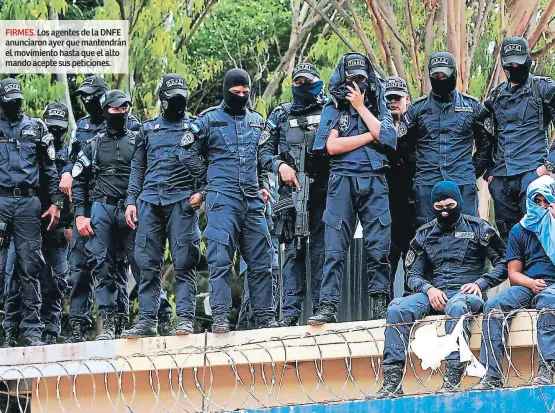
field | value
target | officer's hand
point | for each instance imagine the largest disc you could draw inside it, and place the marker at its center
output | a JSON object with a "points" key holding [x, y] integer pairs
{"points": [[265, 195], [538, 286], [542, 170], [131, 216], [355, 97], [288, 175], [84, 226], [471, 288], [438, 299], [54, 213], [65, 184], [196, 201]]}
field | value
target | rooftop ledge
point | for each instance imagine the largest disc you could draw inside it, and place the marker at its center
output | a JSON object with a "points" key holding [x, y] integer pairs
{"points": [[246, 369]]}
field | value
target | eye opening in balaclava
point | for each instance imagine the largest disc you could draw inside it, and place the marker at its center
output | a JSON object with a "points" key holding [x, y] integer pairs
{"points": [[234, 103], [447, 217]]}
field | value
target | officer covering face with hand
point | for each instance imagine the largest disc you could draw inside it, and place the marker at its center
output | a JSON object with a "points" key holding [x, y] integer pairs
{"points": [[225, 138]]}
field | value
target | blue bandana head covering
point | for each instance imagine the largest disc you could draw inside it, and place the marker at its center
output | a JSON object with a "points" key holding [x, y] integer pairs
{"points": [[539, 220]]}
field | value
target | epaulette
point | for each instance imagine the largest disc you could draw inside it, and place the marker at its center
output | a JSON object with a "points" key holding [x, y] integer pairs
{"points": [[211, 109], [83, 118], [420, 99], [426, 226], [469, 96], [257, 112], [472, 218]]}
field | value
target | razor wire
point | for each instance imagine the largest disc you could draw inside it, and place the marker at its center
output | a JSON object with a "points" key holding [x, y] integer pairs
{"points": [[258, 373]]}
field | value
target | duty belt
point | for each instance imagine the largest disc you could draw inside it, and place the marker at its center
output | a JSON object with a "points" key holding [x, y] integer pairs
{"points": [[111, 200], [17, 192]]}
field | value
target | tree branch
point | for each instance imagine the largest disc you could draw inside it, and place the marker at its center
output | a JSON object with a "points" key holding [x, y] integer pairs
{"points": [[542, 24], [544, 50], [391, 27], [185, 40], [332, 25], [413, 48]]}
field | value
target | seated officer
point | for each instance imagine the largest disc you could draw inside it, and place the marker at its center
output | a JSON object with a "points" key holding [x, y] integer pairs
{"points": [[531, 261], [446, 267]]}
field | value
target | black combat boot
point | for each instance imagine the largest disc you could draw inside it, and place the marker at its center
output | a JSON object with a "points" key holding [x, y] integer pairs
{"points": [[76, 332], [454, 371], [265, 321], [49, 338], [289, 321], [32, 341], [325, 314], [379, 306], [108, 326], [10, 338], [185, 327], [165, 325], [488, 383], [220, 323], [139, 331], [121, 324], [545, 373], [392, 378]]}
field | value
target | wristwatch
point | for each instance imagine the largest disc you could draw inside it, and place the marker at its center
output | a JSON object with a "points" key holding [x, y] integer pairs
{"points": [[550, 166], [59, 204]]}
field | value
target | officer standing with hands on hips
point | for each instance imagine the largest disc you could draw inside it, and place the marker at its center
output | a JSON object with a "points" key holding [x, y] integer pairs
{"points": [[101, 175], [286, 141], [522, 108], [442, 129], [27, 152], [163, 192], [226, 137], [357, 130]]}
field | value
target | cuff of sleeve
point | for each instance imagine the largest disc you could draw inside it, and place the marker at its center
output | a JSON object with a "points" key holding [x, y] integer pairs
{"points": [[388, 135], [483, 284], [131, 200], [275, 166], [80, 211], [67, 168], [426, 287]]}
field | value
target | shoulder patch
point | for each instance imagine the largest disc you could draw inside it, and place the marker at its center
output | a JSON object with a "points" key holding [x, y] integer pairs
{"points": [[402, 131], [187, 138], [344, 122], [409, 260], [466, 95], [264, 136], [489, 125], [77, 169], [426, 226], [210, 109]]}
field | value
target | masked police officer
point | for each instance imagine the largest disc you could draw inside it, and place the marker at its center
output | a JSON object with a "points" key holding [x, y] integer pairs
{"points": [[90, 92], [356, 130], [54, 274], [453, 248], [531, 261], [101, 175], [163, 191], [286, 148], [443, 128], [226, 137], [522, 108], [400, 177], [27, 153]]}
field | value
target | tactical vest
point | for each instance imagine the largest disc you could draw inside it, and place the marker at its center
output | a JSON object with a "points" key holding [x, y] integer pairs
{"points": [[299, 132]]}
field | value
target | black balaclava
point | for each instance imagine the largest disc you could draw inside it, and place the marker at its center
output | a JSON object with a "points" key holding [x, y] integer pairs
{"points": [[59, 133], [515, 50], [443, 62], [447, 218], [173, 96], [234, 104], [93, 107], [11, 111], [116, 123]]}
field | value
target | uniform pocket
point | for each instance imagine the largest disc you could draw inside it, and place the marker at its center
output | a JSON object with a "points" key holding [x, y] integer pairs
{"points": [[140, 240], [332, 220], [216, 235]]}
